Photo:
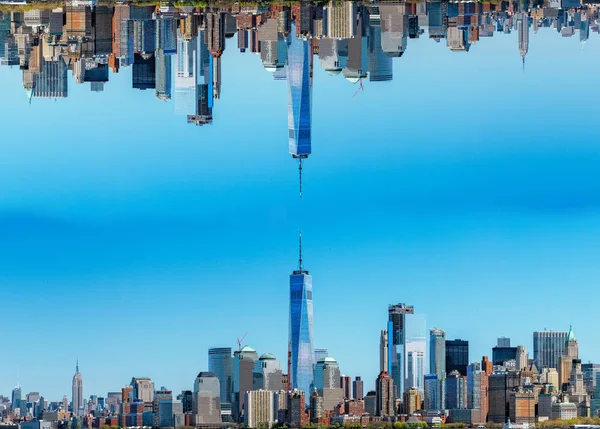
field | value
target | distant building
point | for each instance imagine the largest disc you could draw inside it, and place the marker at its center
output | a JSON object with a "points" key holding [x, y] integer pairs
{"points": [[548, 347], [260, 409], [243, 376], [267, 374], [431, 400], [385, 395], [456, 391], [371, 403], [77, 393], [411, 401], [220, 363], [142, 389], [437, 353], [357, 388], [457, 356], [206, 407]]}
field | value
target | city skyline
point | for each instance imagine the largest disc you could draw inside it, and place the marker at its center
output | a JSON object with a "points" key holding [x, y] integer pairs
{"points": [[155, 215]]}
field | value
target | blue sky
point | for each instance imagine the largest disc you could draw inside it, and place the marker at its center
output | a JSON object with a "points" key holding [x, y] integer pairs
{"points": [[464, 187]]}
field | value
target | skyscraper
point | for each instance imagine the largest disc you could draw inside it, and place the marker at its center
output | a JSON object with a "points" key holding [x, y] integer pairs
{"points": [[143, 389], [206, 407], [416, 350], [267, 374], [523, 31], [243, 372], [220, 363], [300, 346], [383, 351], [431, 399], [358, 388], [456, 392], [300, 81], [457, 356], [397, 344], [548, 347], [386, 405], [437, 353], [321, 354], [16, 397], [77, 390]]}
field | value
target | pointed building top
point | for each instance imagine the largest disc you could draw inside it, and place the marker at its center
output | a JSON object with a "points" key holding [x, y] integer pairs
{"points": [[571, 336], [77, 366]]}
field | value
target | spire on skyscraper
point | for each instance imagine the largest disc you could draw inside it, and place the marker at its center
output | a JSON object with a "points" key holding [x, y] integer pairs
{"points": [[300, 252]]}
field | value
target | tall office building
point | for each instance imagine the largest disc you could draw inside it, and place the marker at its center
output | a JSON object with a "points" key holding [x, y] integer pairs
{"points": [[321, 354], [456, 392], [346, 385], [16, 397], [77, 390], [498, 397], [380, 65], [267, 374], [477, 393], [220, 363], [432, 397], [386, 394], [243, 377], [358, 388], [523, 32], [300, 345], [397, 344], [416, 351], [457, 356], [206, 407], [503, 342], [522, 358], [341, 20], [327, 375], [548, 347], [163, 75], [300, 82], [143, 389], [437, 353], [503, 354], [383, 351]]}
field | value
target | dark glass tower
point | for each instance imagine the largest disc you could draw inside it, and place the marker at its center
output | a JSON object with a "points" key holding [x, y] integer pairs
{"points": [[457, 356], [220, 362]]}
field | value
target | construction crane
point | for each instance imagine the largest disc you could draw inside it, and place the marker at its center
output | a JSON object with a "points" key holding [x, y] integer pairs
{"points": [[239, 341], [360, 88]]}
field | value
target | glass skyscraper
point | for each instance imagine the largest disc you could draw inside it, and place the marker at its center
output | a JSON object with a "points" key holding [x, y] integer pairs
{"points": [[300, 79], [437, 353], [220, 363], [416, 352], [548, 347], [397, 344], [301, 342]]}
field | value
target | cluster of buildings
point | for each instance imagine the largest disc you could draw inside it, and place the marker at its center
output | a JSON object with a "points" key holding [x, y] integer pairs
{"points": [[176, 51]]}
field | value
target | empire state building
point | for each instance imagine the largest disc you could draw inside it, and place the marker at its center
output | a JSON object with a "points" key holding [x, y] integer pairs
{"points": [[77, 403]]}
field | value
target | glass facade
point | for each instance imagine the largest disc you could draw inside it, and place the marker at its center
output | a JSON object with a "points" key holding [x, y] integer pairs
{"points": [[301, 343], [548, 347], [300, 80], [457, 356], [397, 344], [220, 363], [416, 352], [437, 353]]}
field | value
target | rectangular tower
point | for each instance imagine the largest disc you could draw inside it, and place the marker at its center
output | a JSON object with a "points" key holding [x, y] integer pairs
{"points": [[397, 344]]}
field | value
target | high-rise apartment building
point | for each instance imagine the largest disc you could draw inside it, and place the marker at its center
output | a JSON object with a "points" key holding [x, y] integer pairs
{"points": [[220, 363], [457, 356], [397, 344], [386, 403], [260, 409], [548, 347], [411, 401], [300, 346], [477, 393], [77, 392]]}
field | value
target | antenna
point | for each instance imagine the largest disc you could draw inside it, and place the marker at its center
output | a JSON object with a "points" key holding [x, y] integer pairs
{"points": [[300, 172], [300, 256], [239, 341]]}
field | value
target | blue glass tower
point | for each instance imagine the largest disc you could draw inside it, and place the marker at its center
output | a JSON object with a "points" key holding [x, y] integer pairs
{"points": [[299, 77], [301, 344]]}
